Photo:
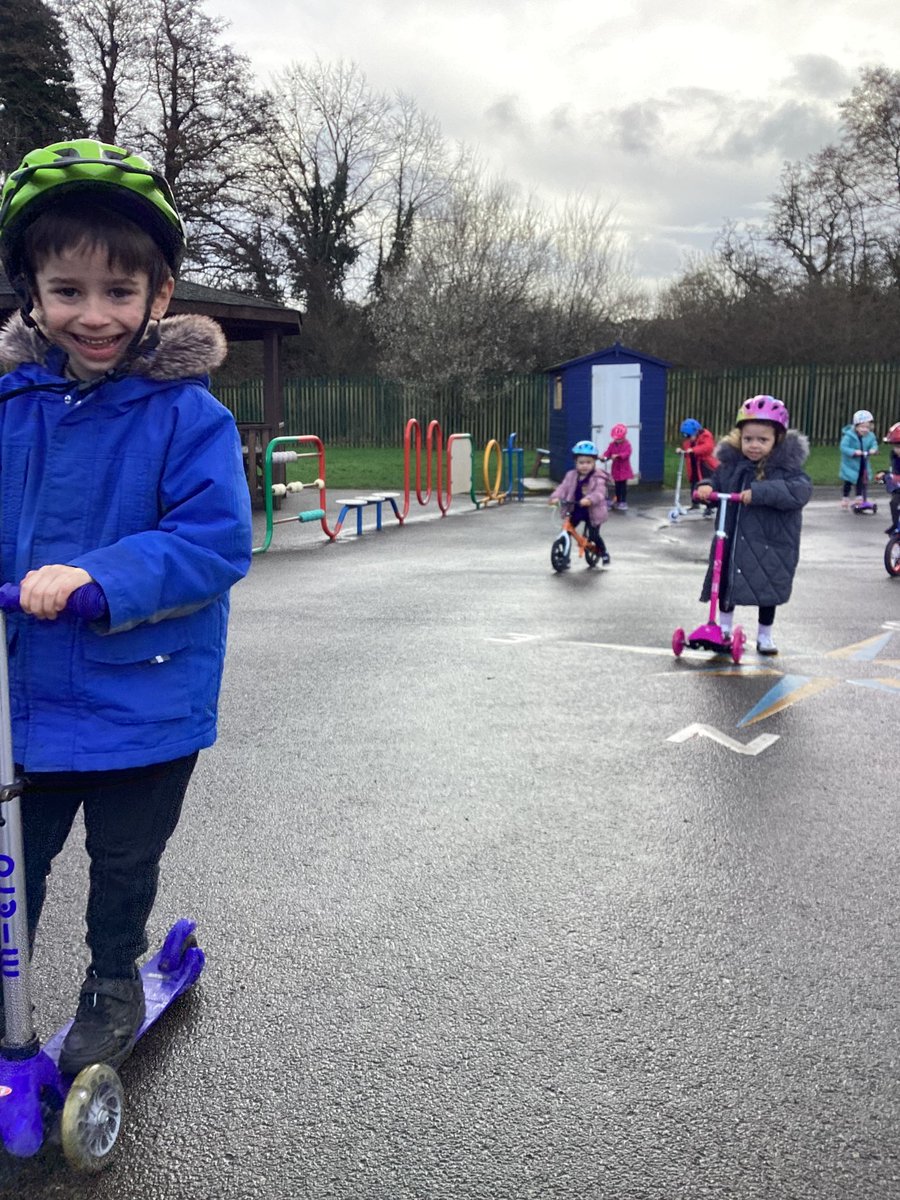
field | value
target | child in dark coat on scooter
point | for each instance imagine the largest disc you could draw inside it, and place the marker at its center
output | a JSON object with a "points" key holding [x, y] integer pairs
{"points": [[762, 460], [117, 466]]}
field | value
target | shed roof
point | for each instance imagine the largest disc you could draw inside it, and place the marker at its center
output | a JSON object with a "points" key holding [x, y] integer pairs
{"points": [[243, 318], [611, 351]]}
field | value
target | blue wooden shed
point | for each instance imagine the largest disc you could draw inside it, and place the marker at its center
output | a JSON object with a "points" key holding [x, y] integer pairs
{"points": [[590, 394]]}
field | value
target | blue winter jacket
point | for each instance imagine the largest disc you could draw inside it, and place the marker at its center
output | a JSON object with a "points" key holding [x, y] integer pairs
{"points": [[141, 483]]}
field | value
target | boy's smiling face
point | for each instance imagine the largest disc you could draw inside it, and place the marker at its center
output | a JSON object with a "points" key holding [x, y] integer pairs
{"points": [[92, 309]]}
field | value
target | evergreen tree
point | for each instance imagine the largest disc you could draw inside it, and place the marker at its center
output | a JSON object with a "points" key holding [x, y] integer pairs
{"points": [[38, 102]]}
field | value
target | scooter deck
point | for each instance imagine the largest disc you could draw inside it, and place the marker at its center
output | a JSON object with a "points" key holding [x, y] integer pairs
{"points": [[169, 973]]}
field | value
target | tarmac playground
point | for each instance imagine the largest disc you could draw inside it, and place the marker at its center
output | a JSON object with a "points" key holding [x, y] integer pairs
{"points": [[500, 900]]}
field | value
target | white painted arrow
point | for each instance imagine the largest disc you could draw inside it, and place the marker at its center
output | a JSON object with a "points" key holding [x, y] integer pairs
{"points": [[760, 743]]}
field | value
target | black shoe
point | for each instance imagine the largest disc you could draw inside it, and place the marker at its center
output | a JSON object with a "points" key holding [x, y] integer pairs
{"points": [[604, 558], [891, 529], [110, 1013]]}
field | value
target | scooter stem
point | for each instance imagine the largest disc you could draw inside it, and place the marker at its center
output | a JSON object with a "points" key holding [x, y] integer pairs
{"points": [[14, 951]]}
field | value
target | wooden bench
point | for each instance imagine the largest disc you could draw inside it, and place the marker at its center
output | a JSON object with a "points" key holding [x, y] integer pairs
{"points": [[376, 500]]}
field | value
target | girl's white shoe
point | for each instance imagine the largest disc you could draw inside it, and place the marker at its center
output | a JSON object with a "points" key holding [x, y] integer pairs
{"points": [[765, 644]]}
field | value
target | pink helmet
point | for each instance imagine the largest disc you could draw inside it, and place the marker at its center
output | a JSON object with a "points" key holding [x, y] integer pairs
{"points": [[618, 431], [893, 434], [763, 408]]}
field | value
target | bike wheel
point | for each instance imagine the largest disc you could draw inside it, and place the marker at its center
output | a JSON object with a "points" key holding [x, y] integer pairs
{"points": [[559, 554], [591, 552], [678, 642], [892, 555]]}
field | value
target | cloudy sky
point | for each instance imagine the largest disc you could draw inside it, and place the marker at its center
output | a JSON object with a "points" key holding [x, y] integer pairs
{"points": [[682, 114]]}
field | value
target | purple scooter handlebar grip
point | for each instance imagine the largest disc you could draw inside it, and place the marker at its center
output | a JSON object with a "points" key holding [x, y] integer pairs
{"points": [[87, 602]]}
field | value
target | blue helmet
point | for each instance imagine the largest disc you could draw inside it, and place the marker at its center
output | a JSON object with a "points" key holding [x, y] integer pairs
{"points": [[690, 427], [586, 448]]}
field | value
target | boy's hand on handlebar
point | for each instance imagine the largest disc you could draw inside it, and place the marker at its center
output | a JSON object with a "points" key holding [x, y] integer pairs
{"points": [[746, 496], [703, 492], [44, 592]]}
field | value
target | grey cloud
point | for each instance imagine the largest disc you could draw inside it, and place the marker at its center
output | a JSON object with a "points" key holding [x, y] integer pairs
{"points": [[637, 128], [793, 130], [504, 114], [821, 76]]}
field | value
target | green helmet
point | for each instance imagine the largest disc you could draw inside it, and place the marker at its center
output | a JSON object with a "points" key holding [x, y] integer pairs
{"points": [[124, 181]]}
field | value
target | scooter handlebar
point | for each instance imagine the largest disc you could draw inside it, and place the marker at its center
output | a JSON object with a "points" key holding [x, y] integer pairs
{"points": [[735, 496], [87, 602]]}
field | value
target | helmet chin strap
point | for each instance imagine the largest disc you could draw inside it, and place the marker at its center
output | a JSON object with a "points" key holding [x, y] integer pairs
{"points": [[144, 338]]}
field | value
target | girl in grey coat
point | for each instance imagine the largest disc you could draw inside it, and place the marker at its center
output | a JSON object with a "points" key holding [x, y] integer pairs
{"points": [[762, 460]]}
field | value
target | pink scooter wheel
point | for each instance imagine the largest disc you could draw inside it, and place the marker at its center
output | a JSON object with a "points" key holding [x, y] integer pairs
{"points": [[678, 642], [738, 641]]}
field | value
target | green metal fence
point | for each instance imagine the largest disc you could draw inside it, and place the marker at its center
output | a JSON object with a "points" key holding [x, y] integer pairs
{"points": [[373, 412], [820, 398]]}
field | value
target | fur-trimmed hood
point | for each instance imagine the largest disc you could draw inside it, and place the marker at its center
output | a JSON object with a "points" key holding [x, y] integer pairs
{"points": [[790, 455], [188, 345]]}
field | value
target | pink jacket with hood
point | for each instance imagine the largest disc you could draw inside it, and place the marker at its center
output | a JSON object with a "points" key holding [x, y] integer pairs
{"points": [[594, 490]]}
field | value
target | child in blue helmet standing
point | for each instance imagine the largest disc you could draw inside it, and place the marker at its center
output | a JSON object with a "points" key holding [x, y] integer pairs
{"points": [[118, 466], [762, 460], [858, 444], [582, 495]]}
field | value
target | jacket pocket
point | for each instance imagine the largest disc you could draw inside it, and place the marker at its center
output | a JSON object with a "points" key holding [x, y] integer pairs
{"points": [[139, 676]]}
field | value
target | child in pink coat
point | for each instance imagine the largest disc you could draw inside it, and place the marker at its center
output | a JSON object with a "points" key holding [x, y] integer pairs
{"points": [[619, 453], [582, 495]]}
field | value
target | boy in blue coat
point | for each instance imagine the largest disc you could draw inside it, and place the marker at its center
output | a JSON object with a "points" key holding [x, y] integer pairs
{"points": [[118, 466]]}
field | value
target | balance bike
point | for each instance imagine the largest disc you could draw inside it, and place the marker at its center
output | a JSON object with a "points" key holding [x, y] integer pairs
{"points": [[678, 510], [710, 635], [37, 1102]]}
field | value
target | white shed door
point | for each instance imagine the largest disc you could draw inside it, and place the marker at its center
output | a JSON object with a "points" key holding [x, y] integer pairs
{"points": [[615, 398]]}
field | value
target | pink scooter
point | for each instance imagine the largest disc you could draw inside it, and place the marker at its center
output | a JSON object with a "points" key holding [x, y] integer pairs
{"points": [[710, 635]]}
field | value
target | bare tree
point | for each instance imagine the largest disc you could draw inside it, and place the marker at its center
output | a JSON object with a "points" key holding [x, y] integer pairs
{"points": [[204, 123], [457, 311], [355, 169], [587, 291], [110, 40]]}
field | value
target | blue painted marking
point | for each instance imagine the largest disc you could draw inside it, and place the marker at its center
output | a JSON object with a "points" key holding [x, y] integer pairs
{"points": [[867, 653], [784, 687], [877, 684]]}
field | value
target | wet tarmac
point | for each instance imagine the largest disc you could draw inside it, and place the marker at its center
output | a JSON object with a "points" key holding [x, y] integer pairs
{"points": [[501, 900]]}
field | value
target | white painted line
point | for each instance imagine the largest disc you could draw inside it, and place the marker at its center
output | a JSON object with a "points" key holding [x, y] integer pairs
{"points": [[760, 743], [513, 639]]}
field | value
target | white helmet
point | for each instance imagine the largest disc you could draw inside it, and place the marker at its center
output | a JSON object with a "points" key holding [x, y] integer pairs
{"points": [[862, 416]]}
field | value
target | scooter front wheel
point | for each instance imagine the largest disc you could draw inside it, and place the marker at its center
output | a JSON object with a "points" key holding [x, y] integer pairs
{"points": [[678, 642], [892, 555], [674, 514], [92, 1117], [738, 641]]}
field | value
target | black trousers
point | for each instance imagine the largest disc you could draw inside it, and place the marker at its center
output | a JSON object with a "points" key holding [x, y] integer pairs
{"points": [[129, 817], [592, 532], [766, 615]]}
